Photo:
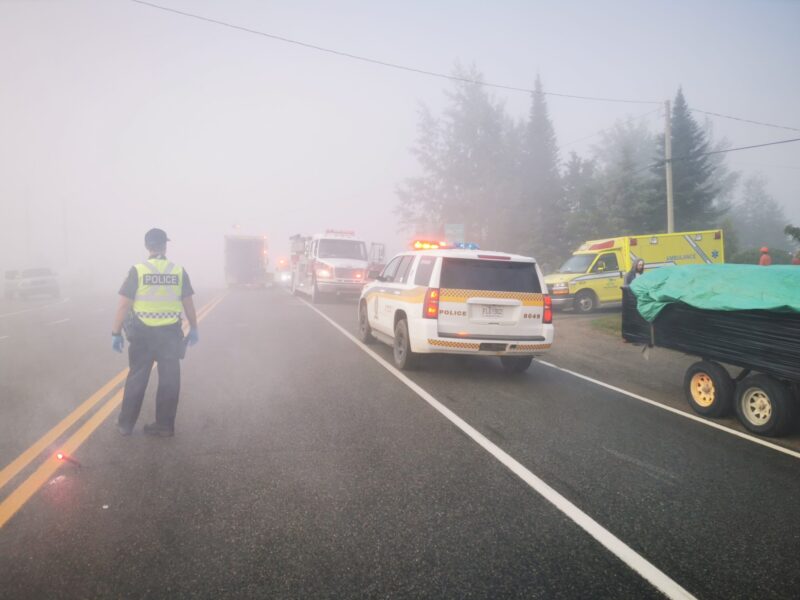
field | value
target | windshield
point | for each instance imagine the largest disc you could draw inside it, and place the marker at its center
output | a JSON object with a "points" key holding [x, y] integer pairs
{"points": [[37, 273], [342, 249], [490, 275], [578, 263]]}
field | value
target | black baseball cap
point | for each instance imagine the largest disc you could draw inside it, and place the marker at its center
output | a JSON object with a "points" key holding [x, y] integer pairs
{"points": [[155, 238]]}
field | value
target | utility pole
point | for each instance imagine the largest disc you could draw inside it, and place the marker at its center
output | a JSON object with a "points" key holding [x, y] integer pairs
{"points": [[668, 166]]}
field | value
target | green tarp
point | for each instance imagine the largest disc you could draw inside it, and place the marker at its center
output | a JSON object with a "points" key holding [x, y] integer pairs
{"points": [[719, 287]]}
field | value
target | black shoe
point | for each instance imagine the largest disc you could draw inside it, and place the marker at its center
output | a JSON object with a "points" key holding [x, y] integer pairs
{"points": [[158, 430], [124, 429]]}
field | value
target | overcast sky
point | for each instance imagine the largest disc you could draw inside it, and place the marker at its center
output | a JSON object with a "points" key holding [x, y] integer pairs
{"points": [[116, 117]]}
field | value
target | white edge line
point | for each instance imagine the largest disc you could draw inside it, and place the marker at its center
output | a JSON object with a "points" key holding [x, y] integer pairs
{"points": [[740, 434], [19, 312], [612, 543], [59, 321]]}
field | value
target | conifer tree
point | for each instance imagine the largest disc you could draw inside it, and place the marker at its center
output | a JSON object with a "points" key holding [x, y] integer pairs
{"points": [[695, 187], [544, 211]]}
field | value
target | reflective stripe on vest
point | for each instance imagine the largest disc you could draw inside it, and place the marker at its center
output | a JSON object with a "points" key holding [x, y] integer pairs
{"points": [[158, 293]]}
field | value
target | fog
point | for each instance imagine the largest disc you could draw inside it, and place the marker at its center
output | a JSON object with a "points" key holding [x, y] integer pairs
{"points": [[117, 117]]}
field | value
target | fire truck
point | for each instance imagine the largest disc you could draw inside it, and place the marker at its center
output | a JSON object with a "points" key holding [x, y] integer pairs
{"points": [[327, 264]]}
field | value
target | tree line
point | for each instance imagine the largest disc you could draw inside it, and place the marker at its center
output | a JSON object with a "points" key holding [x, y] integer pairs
{"points": [[506, 181]]}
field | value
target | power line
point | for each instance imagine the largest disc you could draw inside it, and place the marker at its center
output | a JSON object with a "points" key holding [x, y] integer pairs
{"points": [[714, 114], [699, 154], [384, 63]]}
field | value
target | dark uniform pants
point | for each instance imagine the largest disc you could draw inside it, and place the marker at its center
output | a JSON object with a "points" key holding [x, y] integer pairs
{"points": [[147, 345]]}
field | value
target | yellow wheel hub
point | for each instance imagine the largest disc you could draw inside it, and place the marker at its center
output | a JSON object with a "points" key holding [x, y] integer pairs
{"points": [[703, 392]]}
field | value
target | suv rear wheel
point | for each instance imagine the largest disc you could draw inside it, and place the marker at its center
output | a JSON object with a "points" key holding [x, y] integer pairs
{"points": [[404, 358], [516, 364]]}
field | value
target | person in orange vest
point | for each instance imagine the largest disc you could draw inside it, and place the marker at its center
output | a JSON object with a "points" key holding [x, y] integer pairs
{"points": [[766, 259], [796, 258]]}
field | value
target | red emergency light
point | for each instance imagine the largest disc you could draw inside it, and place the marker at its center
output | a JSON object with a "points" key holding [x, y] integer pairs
{"points": [[602, 245], [426, 245]]}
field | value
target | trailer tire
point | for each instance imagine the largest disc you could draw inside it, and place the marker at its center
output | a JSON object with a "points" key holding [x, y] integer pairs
{"points": [[709, 389], [764, 405], [364, 330], [585, 302]]}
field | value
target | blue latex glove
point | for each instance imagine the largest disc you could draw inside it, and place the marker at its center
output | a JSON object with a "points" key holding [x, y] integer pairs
{"points": [[193, 337], [117, 342]]}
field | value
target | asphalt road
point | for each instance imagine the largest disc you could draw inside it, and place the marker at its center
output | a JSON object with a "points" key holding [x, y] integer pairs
{"points": [[302, 467]]}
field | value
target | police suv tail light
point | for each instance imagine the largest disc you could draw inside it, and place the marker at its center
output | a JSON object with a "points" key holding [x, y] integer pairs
{"points": [[547, 314], [430, 309]]}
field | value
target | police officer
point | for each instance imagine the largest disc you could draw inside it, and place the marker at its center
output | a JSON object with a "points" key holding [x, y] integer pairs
{"points": [[150, 304]]}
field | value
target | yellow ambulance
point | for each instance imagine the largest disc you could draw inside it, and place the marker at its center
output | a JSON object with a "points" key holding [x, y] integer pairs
{"points": [[594, 274]]}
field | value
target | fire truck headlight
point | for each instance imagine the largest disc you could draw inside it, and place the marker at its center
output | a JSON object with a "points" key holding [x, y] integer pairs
{"points": [[324, 273]]}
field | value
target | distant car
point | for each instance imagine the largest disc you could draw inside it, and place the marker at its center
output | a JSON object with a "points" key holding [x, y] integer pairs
{"points": [[458, 301], [32, 282]]}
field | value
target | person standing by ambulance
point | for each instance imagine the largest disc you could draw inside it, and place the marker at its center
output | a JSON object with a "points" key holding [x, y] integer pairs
{"points": [[765, 260], [152, 298]]}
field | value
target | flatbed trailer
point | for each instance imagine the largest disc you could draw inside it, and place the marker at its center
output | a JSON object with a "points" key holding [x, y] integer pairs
{"points": [[763, 345]]}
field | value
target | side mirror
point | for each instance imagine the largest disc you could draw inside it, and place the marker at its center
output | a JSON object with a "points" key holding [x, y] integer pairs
{"points": [[376, 275]]}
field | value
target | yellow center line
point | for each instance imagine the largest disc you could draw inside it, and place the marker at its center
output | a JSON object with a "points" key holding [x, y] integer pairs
{"points": [[23, 460], [38, 478], [11, 470]]}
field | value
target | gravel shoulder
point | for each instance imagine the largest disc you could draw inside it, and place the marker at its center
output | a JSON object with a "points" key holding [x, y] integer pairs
{"points": [[589, 345]]}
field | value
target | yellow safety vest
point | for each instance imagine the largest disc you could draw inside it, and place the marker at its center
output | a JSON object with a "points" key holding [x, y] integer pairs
{"points": [[158, 294]]}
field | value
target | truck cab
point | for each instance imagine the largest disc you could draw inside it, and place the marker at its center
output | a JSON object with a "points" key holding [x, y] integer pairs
{"points": [[330, 263]]}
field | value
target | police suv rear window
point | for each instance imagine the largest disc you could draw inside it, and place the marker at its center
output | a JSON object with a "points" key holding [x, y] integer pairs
{"points": [[424, 270], [490, 275]]}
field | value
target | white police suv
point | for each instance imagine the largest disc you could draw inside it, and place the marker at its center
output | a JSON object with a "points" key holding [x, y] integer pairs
{"points": [[458, 300]]}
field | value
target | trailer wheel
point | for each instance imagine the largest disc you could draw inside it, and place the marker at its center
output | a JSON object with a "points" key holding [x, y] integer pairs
{"points": [[764, 405], [364, 330], [585, 302], [708, 389]]}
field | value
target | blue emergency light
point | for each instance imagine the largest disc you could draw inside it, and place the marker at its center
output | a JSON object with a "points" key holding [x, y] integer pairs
{"points": [[466, 246]]}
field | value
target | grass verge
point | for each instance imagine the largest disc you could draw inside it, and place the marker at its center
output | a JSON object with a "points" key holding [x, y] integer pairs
{"points": [[610, 324]]}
